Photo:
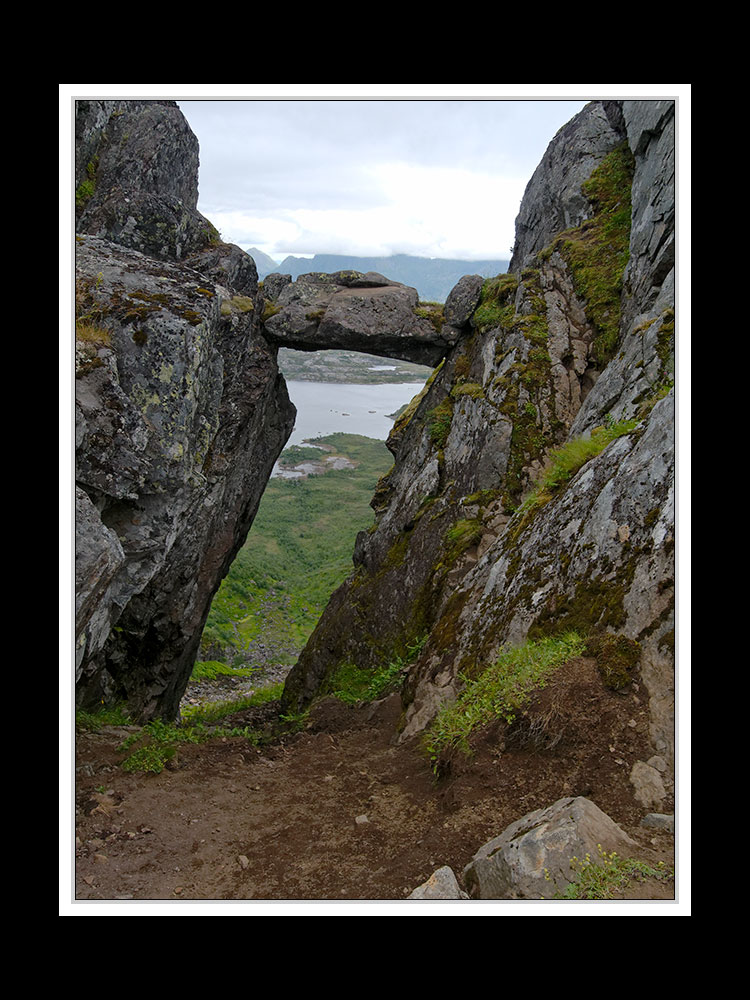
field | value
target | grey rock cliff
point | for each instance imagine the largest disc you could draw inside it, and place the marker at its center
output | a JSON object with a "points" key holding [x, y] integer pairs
{"points": [[137, 177], [180, 416], [546, 356], [181, 413], [554, 200]]}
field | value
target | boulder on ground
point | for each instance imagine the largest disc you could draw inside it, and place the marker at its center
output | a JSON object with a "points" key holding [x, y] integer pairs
{"points": [[442, 884], [532, 858]]}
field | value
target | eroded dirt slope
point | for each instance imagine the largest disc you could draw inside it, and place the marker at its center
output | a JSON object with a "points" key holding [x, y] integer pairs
{"points": [[341, 812]]}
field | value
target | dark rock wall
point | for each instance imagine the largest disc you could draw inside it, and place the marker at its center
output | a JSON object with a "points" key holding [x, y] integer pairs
{"points": [[180, 409], [136, 177]]}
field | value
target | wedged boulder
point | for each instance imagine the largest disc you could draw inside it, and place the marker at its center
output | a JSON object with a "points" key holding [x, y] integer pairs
{"points": [[462, 301], [532, 858], [351, 311]]}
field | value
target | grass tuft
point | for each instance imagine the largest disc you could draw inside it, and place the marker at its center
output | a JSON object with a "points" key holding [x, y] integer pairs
{"points": [[566, 460], [498, 693], [353, 684], [608, 875]]}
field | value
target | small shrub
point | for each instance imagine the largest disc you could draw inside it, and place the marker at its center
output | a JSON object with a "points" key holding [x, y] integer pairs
{"points": [[473, 389], [598, 250], [351, 683], [496, 302], [269, 309], [151, 748], [92, 333], [616, 657], [462, 535], [238, 303], [150, 759], [432, 311], [159, 741], [209, 670], [93, 721], [211, 713]]}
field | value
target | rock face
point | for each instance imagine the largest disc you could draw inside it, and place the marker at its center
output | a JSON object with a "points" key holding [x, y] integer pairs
{"points": [[137, 178], [181, 413], [180, 416], [572, 349], [180, 408]]}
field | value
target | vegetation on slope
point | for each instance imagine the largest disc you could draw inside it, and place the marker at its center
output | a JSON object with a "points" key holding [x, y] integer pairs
{"points": [[498, 692]]}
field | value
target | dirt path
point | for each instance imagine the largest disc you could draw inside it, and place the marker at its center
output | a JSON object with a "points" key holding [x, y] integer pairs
{"points": [[336, 812]]}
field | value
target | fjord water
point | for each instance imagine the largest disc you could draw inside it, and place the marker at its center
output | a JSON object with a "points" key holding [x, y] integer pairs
{"points": [[334, 407]]}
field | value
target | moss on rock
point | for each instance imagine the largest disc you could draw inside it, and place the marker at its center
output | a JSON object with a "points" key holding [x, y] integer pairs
{"points": [[617, 658]]}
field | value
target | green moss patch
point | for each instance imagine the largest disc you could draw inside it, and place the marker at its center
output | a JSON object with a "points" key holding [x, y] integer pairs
{"points": [[461, 536], [566, 460], [496, 306], [439, 421], [617, 658], [598, 250]]}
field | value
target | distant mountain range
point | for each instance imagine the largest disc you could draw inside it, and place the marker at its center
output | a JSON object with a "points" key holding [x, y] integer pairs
{"points": [[433, 277], [263, 262]]}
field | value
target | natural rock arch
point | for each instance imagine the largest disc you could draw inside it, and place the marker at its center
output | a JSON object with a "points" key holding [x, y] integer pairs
{"points": [[182, 412]]}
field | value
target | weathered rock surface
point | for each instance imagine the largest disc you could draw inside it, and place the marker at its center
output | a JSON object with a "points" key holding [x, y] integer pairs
{"points": [[181, 413], [180, 408], [547, 354], [136, 175], [180, 416], [357, 312], [442, 884], [554, 200], [534, 857]]}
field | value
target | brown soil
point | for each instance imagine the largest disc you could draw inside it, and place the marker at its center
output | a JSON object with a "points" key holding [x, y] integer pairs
{"points": [[341, 811]]}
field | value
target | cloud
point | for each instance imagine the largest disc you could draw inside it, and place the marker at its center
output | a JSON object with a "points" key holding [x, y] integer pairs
{"points": [[435, 178]]}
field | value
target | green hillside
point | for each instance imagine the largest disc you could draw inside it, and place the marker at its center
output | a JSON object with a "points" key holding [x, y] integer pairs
{"points": [[298, 551]]}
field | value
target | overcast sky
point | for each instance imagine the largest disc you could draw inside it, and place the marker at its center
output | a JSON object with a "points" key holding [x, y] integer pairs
{"points": [[369, 169], [435, 178]]}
